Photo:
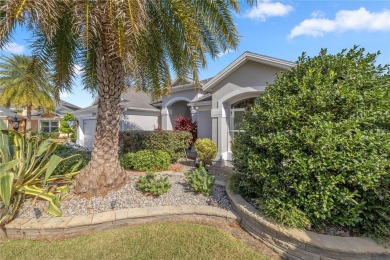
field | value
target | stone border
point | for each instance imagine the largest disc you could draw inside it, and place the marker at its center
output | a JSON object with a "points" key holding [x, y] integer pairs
{"points": [[298, 244], [58, 227]]}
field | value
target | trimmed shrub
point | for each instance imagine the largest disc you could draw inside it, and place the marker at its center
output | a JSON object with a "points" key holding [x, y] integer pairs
{"points": [[173, 142], [201, 181], [316, 145], [127, 160], [146, 160], [149, 184], [66, 151], [206, 150]]}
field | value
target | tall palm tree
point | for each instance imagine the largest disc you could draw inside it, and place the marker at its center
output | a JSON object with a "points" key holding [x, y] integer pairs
{"points": [[120, 43], [25, 83]]}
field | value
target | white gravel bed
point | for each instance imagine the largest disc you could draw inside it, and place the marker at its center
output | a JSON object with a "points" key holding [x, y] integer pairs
{"points": [[128, 197]]}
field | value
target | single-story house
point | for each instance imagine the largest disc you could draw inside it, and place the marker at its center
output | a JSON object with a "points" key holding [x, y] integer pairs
{"points": [[6, 116], [40, 120], [138, 113], [217, 105]]}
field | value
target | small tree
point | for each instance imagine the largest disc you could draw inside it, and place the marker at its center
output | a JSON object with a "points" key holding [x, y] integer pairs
{"points": [[316, 145], [64, 125], [183, 123]]}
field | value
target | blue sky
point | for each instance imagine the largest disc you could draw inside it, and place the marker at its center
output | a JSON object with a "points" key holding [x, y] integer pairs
{"points": [[284, 29]]}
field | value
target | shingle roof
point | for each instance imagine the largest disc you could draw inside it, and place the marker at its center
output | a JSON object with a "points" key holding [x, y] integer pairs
{"points": [[6, 112], [131, 99], [137, 99], [64, 107]]}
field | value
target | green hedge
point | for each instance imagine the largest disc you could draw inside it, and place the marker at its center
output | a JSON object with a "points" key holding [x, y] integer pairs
{"points": [[172, 142], [64, 151], [146, 160], [316, 145]]}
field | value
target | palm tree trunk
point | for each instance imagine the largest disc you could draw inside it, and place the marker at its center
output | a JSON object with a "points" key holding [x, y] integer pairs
{"points": [[103, 173], [28, 121]]}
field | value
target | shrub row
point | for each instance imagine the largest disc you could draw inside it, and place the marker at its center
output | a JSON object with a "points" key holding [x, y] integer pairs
{"points": [[173, 142], [146, 160]]}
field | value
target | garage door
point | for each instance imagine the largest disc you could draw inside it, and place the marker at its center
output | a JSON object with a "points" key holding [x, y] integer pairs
{"points": [[89, 132]]}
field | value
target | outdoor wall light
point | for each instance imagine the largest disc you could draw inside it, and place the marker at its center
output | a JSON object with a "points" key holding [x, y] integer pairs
{"points": [[15, 123]]}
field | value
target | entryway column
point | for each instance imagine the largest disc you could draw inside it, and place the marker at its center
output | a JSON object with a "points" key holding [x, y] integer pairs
{"points": [[165, 119], [220, 131]]}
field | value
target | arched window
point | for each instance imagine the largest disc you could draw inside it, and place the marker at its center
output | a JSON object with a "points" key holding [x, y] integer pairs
{"points": [[237, 112]]}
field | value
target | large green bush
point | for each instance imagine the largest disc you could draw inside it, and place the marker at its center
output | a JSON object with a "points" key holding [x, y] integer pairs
{"points": [[318, 143], [172, 142], [146, 160]]}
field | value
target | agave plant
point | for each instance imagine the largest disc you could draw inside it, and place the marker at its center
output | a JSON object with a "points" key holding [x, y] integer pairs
{"points": [[27, 170]]}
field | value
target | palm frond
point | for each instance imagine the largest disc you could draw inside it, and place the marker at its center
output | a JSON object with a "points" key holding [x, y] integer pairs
{"points": [[25, 81]]}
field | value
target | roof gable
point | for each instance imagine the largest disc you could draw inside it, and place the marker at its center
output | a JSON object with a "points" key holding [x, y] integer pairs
{"points": [[240, 61], [181, 81]]}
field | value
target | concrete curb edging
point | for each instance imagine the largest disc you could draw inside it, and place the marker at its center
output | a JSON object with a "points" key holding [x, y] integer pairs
{"points": [[298, 244], [42, 228]]}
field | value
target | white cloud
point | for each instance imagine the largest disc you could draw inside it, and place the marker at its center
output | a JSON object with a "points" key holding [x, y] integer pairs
{"points": [[64, 94], [267, 8], [345, 20], [77, 69], [318, 14], [14, 48], [225, 52]]}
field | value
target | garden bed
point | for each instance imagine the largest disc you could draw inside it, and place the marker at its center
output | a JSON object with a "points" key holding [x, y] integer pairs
{"points": [[129, 197]]}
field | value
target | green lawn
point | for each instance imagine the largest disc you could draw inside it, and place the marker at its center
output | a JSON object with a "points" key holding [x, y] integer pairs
{"points": [[152, 241]]}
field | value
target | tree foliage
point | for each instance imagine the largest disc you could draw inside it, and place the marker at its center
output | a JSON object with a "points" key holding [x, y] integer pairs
{"points": [[24, 81], [318, 143], [149, 37], [64, 125]]}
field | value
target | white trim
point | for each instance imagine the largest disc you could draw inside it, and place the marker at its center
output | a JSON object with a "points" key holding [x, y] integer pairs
{"points": [[190, 81], [201, 103], [204, 108], [185, 87], [176, 99], [164, 111], [218, 112], [157, 111], [240, 94], [247, 56], [49, 120]]}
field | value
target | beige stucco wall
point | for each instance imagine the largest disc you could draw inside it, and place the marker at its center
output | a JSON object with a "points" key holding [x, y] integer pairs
{"points": [[34, 126]]}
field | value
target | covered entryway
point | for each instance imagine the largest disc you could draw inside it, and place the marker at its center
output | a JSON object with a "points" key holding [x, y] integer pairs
{"points": [[89, 129], [172, 109], [179, 108]]}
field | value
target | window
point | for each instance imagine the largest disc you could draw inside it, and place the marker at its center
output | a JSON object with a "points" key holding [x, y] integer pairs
{"points": [[237, 113], [48, 126]]}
